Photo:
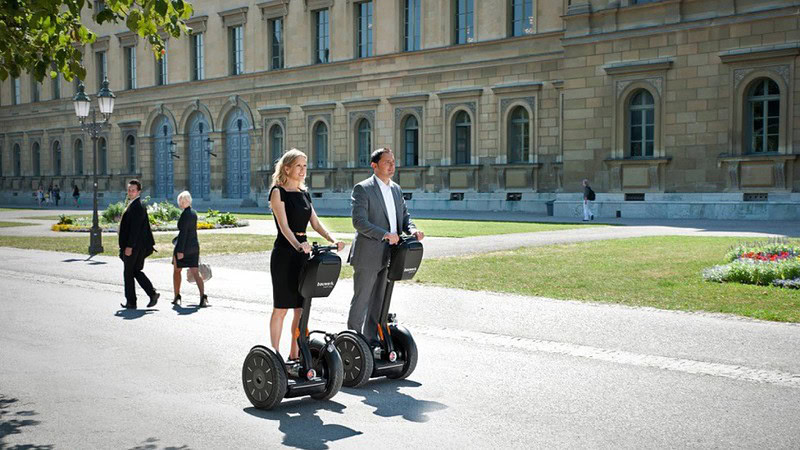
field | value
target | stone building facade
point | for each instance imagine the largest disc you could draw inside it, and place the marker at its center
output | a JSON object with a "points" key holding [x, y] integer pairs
{"points": [[671, 108]]}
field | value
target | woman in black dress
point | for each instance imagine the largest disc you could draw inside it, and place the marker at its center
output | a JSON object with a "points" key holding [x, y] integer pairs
{"points": [[292, 209], [187, 249]]}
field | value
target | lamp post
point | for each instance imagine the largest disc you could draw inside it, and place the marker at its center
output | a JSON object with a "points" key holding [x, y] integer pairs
{"points": [[82, 102]]}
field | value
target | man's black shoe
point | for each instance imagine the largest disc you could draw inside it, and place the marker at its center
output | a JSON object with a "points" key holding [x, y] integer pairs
{"points": [[153, 300], [127, 306]]}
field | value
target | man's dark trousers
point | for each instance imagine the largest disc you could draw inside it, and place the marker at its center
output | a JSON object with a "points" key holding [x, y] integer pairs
{"points": [[133, 270]]}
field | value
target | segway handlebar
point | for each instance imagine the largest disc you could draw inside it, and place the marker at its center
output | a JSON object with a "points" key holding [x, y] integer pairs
{"points": [[317, 249]]}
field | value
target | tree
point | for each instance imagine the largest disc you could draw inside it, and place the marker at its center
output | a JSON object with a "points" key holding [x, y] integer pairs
{"points": [[46, 37]]}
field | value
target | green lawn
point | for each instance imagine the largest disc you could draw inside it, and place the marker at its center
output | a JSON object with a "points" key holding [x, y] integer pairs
{"points": [[212, 243], [431, 227], [445, 227], [15, 224], [661, 272]]}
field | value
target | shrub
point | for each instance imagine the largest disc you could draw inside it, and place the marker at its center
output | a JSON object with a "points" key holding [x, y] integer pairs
{"points": [[226, 219], [63, 219], [164, 211], [212, 213], [205, 226], [113, 212], [61, 227]]}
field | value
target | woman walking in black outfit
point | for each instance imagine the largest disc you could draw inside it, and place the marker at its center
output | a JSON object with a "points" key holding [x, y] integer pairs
{"points": [[292, 209], [187, 249]]}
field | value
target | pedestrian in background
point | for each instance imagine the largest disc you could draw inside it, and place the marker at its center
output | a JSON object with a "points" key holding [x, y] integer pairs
{"points": [[57, 194], [40, 196], [588, 197], [135, 244], [187, 250], [76, 196]]}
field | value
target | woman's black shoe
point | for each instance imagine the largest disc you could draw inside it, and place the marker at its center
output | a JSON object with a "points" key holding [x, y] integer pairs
{"points": [[203, 302], [177, 300]]}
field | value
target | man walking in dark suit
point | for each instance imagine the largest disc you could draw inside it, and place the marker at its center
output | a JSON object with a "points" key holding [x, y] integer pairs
{"points": [[379, 214], [135, 244]]}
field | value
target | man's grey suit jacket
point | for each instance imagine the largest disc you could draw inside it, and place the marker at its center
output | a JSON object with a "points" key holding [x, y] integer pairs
{"points": [[372, 223]]}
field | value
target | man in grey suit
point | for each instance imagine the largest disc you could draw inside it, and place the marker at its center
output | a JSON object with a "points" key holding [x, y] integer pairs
{"points": [[379, 215]]}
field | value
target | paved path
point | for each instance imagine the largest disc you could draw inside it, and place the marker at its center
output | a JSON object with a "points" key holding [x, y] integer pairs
{"points": [[495, 370]]}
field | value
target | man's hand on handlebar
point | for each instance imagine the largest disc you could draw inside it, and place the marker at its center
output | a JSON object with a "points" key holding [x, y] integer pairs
{"points": [[393, 238], [419, 235]]}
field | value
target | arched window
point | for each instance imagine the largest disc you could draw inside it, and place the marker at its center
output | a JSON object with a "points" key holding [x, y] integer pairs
{"points": [[763, 116], [410, 141], [518, 135], [462, 134], [364, 142], [17, 161], [102, 156], [321, 145], [36, 159], [275, 143], [642, 124], [130, 150], [56, 158], [78, 156]]}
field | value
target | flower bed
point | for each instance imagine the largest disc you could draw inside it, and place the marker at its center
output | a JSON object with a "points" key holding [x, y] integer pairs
{"points": [[775, 262], [163, 217]]}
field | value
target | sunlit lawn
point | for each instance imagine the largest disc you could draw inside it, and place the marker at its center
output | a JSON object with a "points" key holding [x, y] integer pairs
{"points": [[661, 272], [15, 224]]}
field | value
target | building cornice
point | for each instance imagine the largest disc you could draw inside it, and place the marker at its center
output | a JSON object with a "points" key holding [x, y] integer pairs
{"points": [[790, 49], [649, 65], [234, 17]]}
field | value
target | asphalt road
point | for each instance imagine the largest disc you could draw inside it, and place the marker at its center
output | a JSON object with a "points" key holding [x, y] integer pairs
{"points": [[494, 370]]}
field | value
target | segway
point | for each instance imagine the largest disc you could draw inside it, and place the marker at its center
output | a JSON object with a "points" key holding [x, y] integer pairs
{"points": [[265, 377], [397, 354]]}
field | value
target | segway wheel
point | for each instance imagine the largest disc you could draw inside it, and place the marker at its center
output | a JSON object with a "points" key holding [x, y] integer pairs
{"points": [[264, 378], [356, 358], [406, 349], [329, 367]]}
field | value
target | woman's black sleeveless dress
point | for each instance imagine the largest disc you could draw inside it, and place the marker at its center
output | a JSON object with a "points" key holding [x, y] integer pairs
{"points": [[285, 262]]}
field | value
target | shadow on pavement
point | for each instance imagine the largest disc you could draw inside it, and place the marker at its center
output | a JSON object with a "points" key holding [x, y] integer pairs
{"points": [[150, 444], [185, 311], [385, 396], [88, 260], [302, 427], [13, 422], [131, 314]]}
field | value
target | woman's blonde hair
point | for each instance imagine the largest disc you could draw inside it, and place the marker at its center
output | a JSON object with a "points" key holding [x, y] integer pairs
{"points": [[288, 160], [185, 195]]}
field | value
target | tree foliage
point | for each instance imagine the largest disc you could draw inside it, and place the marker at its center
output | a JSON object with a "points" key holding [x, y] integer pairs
{"points": [[47, 37]]}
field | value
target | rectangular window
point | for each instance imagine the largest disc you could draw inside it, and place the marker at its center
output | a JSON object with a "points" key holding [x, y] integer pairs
{"points": [[56, 83], [130, 67], [102, 68], [198, 57], [364, 29], [276, 43], [162, 75], [522, 17], [34, 90], [412, 25], [16, 96], [322, 36], [236, 50], [464, 19]]}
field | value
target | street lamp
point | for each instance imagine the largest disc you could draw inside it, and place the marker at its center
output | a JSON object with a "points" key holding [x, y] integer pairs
{"points": [[82, 102]]}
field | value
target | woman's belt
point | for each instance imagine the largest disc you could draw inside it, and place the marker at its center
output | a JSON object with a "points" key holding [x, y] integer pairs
{"points": [[297, 233]]}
